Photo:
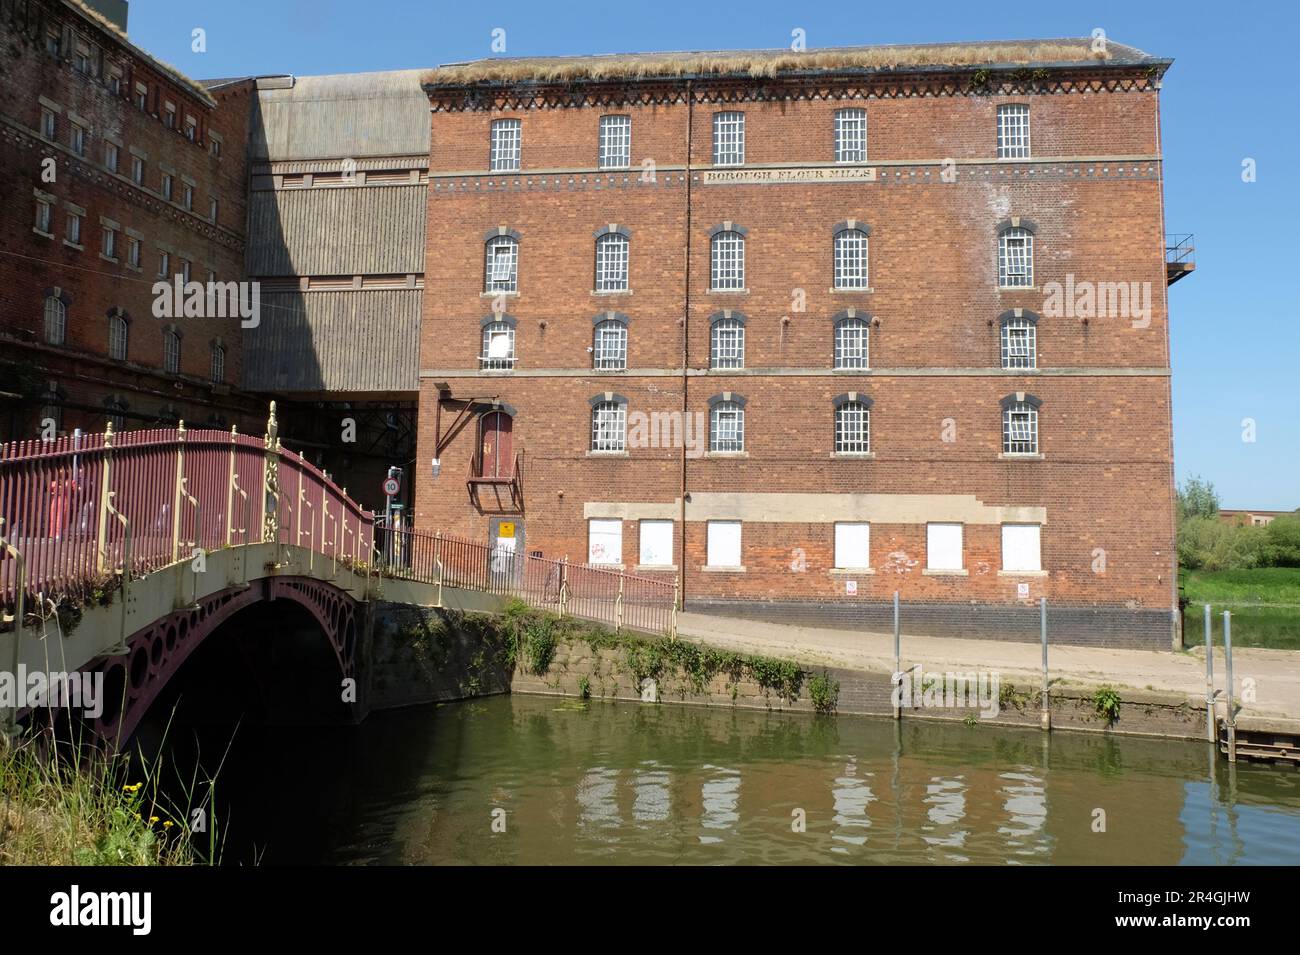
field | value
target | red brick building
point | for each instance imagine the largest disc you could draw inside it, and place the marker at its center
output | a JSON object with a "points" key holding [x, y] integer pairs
{"points": [[906, 309], [116, 171]]}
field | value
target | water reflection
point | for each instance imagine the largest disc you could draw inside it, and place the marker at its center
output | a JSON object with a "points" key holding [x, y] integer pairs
{"points": [[628, 783]]}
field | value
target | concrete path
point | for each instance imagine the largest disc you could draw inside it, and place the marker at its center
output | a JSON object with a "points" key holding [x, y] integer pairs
{"points": [[1276, 672]]}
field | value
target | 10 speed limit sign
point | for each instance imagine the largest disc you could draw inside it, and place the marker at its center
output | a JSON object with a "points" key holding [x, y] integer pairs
{"points": [[391, 487]]}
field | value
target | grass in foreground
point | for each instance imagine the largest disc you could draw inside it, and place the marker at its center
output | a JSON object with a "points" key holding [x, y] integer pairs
{"points": [[1265, 606]]}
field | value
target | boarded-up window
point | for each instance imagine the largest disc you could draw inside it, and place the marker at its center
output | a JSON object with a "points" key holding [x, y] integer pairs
{"points": [[604, 541], [852, 545], [1021, 547], [724, 544], [656, 543], [943, 546]]}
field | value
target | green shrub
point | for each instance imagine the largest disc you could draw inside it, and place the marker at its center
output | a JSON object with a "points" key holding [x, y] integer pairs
{"points": [[1106, 702], [824, 692]]}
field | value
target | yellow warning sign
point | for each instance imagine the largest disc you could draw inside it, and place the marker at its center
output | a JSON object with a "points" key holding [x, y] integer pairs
{"points": [[506, 529]]}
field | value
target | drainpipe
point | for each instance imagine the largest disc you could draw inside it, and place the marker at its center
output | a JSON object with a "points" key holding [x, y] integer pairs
{"points": [[686, 337]]}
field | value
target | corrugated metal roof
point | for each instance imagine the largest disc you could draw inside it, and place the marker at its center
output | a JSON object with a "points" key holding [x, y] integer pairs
{"points": [[344, 115], [335, 341], [363, 230]]}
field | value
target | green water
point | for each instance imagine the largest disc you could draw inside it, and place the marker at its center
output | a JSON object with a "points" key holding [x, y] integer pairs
{"points": [[622, 783]]}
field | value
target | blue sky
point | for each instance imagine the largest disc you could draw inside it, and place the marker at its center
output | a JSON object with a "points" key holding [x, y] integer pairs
{"points": [[1229, 97]]}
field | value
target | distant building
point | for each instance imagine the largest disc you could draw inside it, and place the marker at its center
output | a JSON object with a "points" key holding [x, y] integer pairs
{"points": [[1254, 518]]}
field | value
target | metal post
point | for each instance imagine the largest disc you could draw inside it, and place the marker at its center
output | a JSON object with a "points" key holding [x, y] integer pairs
{"points": [[105, 484], [271, 481], [672, 619], [230, 489], [1042, 625], [618, 606], [1232, 705], [178, 492], [1209, 678], [564, 585], [898, 660], [10, 724]]}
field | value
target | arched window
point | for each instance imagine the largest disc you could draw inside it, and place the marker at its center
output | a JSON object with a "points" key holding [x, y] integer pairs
{"points": [[851, 258], [609, 423], [727, 260], [727, 340], [1016, 256], [609, 345], [118, 335], [115, 408], [727, 423], [611, 262], [1019, 339], [56, 319], [498, 343], [171, 351], [852, 341], [502, 264], [218, 362], [852, 424], [1020, 424]]}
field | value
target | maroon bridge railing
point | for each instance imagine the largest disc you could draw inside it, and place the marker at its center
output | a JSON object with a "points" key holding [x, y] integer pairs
{"points": [[589, 591], [82, 511]]}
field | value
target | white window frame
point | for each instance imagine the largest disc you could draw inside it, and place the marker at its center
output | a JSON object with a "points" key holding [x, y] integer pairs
{"points": [[77, 138], [172, 352], [44, 216], [941, 540], [727, 344], [852, 253], [729, 138], [727, 428], [851, 135], [1016, 258], [218, 365], [497, 279], [615, 146], [852, 545], [119, 337], [655, 543], [609, 427], [852, 343], [1013, 131], [604, 542], [609, 346], [727, 262], [168, 186], [724, 544], [112, 155], [853, 428], [49, 123], [164, 264], [1022, 548], [137, 170], [612, 255], [1019, 343], [490, 361], [108, 243], [73, 226], [1020, 428], [134, 248], [56, 320], [505, 149]]}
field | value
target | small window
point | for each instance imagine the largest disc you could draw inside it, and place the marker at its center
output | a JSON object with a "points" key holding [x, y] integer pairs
{"points": [[137, 170], [44, 212], [852, 546], [53, 41], [724, 544], [82, 61], [165, 264], [169, 116], [943, 549], [851, 259], [74, 228], [212, 208], [852, 343], [186, 268], [114, 81], [141, 98], [1013, 131], [729, 139], [615, 142], [850, 135], [502, 264], [1016, 258], [852, 428], [172, 352], [498, 346], [116, 417], [727, 427], [77, 139], [110, 156], [604, 541], [609, 426], [191, 128], [1021, 548], [1019, 343], [133, 252], [187, 196], [727, 343], [727, 262], [1019, 428], [506, 142], [118, 337], [609, 351], [611, 262], [108, 247], [656, 543], [56, 320], [218, 371], [214, 147], [49, 123], [167, 186]]}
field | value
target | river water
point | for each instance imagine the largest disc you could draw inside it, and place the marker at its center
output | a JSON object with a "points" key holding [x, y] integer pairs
{"points": [[620, 783]]}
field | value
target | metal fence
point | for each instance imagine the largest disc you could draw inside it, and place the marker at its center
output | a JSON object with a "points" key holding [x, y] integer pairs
{"points": [[620, 600]]}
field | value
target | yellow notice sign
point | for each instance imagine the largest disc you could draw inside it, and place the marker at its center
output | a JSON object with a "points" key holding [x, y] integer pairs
{"points": [[506, 529]]}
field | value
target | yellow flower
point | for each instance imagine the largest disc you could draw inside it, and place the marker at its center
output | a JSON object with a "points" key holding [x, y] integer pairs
{"points": [[168, 824], [153, 818]]}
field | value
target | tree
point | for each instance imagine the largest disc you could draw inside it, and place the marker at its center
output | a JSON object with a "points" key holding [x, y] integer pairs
{"points": [[1282, 542], [1197, 498]]}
